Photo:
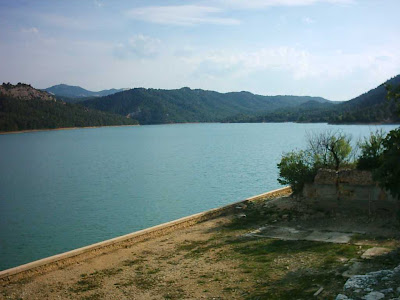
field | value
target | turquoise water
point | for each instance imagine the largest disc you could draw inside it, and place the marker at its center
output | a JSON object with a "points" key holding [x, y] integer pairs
{"points": [[60, 190]]}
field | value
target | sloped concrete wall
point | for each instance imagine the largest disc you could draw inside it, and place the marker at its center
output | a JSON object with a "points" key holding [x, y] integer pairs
{"points": [[348, 190]]}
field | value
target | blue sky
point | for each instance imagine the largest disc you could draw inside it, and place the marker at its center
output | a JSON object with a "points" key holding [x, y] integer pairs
{"points": [[336, 49]]}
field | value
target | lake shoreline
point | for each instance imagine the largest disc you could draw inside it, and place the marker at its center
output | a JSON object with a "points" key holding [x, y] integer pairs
{"points": [[71, 128], [61, 128]]}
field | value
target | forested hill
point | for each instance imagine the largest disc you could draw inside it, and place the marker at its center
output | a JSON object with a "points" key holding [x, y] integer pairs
{"points": [[22, 108], [73, 92], [370, 107], [156, 106]]}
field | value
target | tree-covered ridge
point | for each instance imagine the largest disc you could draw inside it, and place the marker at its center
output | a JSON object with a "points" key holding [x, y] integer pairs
{"points": [[370, 107], [157, 106], [37, 112]]}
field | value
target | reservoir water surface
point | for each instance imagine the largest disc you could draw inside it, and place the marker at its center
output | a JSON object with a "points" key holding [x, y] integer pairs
{"points": [[60, 190]]}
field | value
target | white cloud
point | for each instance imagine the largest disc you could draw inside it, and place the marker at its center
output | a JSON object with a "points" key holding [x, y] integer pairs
{"points": [[299, 63], [32, 30], [138, 46], [182, 15]]}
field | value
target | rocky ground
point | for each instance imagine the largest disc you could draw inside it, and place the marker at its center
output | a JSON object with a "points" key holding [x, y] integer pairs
{"points": [[232, 258], [24, 92], [382, 284]]}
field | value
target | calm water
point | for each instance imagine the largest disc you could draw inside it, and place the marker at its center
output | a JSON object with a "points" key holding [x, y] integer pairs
{"points": [[60, 190]]}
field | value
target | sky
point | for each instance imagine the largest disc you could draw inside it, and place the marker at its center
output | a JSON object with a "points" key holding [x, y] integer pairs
{"points": [[337, 49]]}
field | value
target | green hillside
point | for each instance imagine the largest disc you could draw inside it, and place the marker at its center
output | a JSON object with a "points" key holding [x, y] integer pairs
{"points": [[370, 107], [156, 106]]}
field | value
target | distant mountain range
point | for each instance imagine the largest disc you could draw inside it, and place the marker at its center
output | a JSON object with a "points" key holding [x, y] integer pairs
{"points": [[156, 106], [24, 108], [74, 92]]}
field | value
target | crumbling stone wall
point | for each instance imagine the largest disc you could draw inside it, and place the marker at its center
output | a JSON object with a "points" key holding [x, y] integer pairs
{"points": [[348, 190]]}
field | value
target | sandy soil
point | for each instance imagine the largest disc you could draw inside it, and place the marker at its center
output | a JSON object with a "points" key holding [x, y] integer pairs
{"points": [[214, 260], [156, 269]]}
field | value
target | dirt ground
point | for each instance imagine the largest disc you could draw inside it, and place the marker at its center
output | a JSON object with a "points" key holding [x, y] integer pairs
{"points": [[217, 260]]}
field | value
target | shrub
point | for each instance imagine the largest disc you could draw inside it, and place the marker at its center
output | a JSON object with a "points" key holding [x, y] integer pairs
{"points": [[296, 168], [371, 151], [388, 173]]}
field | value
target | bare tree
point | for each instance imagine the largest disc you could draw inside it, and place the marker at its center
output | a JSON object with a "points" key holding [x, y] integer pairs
{"points": [[330, 148]]}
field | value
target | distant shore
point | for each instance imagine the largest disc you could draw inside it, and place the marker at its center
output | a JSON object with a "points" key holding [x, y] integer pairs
{"points": [[61, 128], [70, 128]]}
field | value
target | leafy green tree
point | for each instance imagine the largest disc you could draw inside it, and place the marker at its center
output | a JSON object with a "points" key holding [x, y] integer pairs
{"points": [[388, 173], [296, 169], [371, 151]]}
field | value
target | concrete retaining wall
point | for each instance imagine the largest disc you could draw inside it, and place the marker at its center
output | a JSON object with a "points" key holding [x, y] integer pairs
{"points": [[348, 190], [54, 262]]}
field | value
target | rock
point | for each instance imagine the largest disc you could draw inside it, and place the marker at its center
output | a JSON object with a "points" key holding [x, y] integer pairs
{"points": [[375, 251], [374, 285], [374, 296], [341, 297], [359, 282]]}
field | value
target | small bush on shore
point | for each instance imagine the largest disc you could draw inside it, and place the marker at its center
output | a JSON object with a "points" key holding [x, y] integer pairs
{"points": [[296, 168], [325, 150], [371, 151]]}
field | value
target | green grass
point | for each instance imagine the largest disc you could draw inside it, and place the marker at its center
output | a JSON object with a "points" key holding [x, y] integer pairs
{"points": [[195, 249], [298, 266], [190, 245], [132, 262], [93, 281], [144, 282], [85, 284]]}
